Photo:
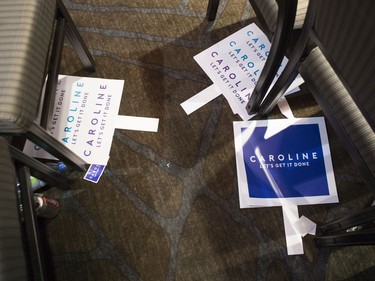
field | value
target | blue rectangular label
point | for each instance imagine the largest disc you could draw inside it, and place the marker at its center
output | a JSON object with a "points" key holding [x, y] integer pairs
{"points": [[94, 173]]}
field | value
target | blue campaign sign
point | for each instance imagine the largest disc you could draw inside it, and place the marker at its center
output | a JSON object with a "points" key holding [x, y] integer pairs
{"points": [[291, 164], [293, 158]]}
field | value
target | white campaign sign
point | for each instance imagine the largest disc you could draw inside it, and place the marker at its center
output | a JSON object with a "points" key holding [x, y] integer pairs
{"points": [[84, 117], [235, 63]]}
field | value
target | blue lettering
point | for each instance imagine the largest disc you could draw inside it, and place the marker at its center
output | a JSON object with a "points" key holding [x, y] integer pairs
{"points": [[250, 64]]}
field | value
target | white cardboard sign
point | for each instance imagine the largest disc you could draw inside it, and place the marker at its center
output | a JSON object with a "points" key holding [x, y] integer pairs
{"points": [[234, 65], [85, 117]]}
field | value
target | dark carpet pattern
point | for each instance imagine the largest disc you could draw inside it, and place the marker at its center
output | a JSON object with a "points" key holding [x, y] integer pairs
{"points": [[167, 206]]}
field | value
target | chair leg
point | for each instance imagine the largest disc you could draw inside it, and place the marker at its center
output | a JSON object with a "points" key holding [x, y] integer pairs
{"points": [[346, 239], [41, 137], [358, 218], [336, 234], [76, 39], [37, 134], [31, 229], [39, 170], [288, 75], [285, 22], [212, 7], [53, 72]]}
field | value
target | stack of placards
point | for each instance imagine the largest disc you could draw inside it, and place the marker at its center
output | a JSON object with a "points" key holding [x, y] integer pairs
{"points": [[234, 65]]}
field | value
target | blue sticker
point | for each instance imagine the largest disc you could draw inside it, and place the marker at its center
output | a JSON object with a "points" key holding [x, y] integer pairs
{"points": [[94, 173]]}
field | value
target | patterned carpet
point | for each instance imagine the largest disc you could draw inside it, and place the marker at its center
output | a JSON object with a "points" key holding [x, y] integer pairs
{"points": [[167, 206]]}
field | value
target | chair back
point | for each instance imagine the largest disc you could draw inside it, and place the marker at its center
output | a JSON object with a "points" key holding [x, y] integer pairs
{"points": [[345, 33], [340, 72]]}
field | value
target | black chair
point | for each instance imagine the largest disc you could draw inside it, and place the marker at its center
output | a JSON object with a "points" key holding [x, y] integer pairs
{"points": [[266, 12], [357, 228], [212, 7], [334, 55], [277, 18], [31, 32], [21, 253]]}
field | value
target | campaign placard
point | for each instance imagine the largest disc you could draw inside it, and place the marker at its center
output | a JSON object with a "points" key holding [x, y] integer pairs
{"points": [[235, 63], [284, 161], [84, 117]]}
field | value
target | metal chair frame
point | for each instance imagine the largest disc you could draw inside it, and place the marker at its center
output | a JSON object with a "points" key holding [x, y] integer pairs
{"points": [[24, 167], [37, 132]]}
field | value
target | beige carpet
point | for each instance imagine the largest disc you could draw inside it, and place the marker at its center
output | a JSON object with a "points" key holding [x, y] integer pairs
{"points": [[167, 206]]}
